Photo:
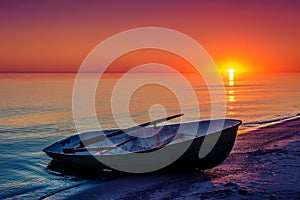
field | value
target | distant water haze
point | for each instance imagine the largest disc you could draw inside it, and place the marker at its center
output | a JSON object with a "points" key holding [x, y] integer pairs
{"points": [[31, 99]]}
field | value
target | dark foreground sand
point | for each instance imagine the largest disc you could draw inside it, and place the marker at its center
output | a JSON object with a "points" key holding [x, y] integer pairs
{"points": [[264, 164]]}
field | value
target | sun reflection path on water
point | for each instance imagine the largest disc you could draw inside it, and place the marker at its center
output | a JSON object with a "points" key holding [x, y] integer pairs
{"points": [[231, 77], [230, 91]]}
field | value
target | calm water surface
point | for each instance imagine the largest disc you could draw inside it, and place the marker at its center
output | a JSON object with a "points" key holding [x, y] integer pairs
{"points": [[36, 110]]}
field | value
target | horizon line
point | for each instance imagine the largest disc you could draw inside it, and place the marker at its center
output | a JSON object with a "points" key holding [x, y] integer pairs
{"points": [[119, 72]]}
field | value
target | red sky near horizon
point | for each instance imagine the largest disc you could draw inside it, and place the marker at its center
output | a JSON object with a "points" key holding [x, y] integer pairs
{"points": [[56, 36]]}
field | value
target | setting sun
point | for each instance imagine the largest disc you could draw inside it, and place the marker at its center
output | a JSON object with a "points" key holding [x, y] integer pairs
{"points": [[232, 66], [231, 70]]}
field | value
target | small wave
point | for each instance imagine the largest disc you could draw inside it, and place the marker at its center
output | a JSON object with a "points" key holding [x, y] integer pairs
{"points": [[18, 193], [63, 189], [7, 112], [264, 122]]}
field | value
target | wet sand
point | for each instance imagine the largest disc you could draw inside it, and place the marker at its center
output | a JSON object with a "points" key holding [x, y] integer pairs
{"points": [[264, 164]]}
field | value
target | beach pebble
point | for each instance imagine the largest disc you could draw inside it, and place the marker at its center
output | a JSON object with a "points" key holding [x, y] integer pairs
{"points": [[231, 185], [242, 191]]}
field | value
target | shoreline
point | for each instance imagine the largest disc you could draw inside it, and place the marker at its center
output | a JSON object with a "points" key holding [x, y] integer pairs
{"points": [[262, 164], [274, 122]]}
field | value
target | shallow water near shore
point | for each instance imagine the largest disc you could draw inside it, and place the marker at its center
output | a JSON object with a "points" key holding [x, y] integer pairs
{"points": [[36, 110]]}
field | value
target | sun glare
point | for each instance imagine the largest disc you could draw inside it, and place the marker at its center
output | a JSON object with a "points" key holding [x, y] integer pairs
{"points": [[232, 66], [231, 70]]}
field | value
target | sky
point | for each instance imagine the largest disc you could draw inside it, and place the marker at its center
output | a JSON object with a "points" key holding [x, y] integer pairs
{"points": [[56, 36]]}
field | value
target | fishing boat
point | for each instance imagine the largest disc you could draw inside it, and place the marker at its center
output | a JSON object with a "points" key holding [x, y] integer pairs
{"points": [[97, 148]]}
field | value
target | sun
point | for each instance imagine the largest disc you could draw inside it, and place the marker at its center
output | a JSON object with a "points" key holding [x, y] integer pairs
{"points": [[231, 66], [231, 70]]}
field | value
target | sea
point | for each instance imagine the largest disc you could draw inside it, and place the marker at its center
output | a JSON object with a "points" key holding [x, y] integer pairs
{"points": [[36, 111]]}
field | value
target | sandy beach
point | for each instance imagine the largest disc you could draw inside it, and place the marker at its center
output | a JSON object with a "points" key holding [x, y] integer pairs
{"points": [[264, 164]]}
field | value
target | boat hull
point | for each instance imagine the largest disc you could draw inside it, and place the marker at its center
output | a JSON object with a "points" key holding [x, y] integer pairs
{"points": [[188, 160]]}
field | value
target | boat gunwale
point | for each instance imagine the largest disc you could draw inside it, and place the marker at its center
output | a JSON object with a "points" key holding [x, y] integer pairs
{"points": [[239, 122]]}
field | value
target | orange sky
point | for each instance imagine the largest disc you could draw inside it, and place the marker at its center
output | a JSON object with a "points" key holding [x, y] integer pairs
{"points": [[55, 36]]}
